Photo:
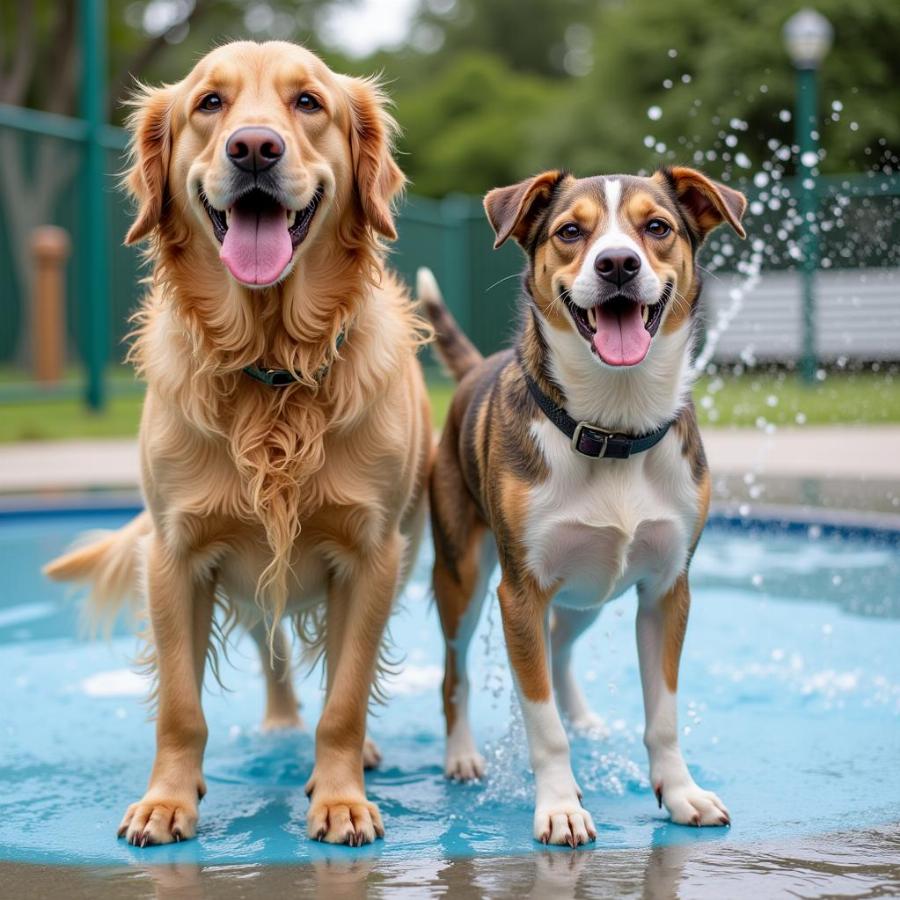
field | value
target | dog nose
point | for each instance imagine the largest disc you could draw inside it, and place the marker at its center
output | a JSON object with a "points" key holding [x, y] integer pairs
{"points": [[617, 265], [255, 149]]}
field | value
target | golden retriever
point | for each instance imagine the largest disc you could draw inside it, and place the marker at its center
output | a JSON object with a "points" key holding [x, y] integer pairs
{"points": [[286, 438]]}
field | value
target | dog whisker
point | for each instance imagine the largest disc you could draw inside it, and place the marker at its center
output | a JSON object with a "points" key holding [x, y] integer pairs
{"points": [[501, 280]]}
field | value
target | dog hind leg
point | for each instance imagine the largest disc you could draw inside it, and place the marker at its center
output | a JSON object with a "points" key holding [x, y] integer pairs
{"points": [[281, 701], [460, 591], [566, 627]]}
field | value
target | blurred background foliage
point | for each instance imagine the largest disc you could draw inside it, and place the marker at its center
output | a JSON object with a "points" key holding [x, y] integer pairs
{"points": [[488, 92]]}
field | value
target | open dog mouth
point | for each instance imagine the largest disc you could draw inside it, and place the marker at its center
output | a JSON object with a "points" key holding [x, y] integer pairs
{"points": [[258, 235], [619, 330]]}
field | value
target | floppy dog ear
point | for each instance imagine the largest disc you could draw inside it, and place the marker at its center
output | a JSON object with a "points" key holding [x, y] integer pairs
{"points": [[372, 134], [510, 210], [150, 149], [707, 202]]}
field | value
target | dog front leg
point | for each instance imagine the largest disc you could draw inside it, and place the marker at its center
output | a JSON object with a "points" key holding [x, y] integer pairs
{"points": [[661, 625], [359, 604], [558, 817], [181, 608]]}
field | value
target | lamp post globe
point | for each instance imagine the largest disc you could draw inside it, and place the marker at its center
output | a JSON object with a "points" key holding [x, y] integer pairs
{"points": [[807, 36]]}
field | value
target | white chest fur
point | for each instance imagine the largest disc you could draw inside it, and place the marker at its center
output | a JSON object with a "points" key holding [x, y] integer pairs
{"points": [[602, 526]]}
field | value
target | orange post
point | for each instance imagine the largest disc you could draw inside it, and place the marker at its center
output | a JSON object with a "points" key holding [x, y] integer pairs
{"points": [[50, 248]]}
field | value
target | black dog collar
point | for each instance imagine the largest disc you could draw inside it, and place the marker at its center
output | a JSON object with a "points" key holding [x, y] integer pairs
{"points": [[278, 378], [589, 440]]}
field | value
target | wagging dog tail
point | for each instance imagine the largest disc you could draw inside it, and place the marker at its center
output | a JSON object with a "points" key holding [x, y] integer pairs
{"points": [[456, 351], [108, 563]]}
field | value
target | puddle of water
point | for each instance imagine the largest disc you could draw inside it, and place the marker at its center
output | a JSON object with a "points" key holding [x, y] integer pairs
{"points": [[790, 710], [859, 864]]}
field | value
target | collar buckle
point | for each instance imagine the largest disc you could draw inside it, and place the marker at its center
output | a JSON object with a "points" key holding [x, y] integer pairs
{"points": [[597, 436]]}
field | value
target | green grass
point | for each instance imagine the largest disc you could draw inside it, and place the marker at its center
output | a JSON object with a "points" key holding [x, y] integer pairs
{"points": [[50, 420], [749, 400], [865, 398]]}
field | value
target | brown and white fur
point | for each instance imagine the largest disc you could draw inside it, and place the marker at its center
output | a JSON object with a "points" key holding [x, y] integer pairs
{"points": [[571, 532], [304, 501]]}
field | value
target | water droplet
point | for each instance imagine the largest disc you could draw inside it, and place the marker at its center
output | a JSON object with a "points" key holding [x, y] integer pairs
{"points": [[654, 113], [785, 115], [809, 159]]}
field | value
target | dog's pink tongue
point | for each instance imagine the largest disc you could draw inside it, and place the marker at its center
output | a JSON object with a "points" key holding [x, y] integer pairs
{"points": [[621, 338], [257, 246]]}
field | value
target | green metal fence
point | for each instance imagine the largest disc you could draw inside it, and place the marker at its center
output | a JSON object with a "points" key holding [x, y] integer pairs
{"points": [[42, 178]]}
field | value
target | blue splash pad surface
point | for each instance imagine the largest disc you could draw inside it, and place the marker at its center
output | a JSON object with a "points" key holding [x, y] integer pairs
{"points": [[789, 705]]}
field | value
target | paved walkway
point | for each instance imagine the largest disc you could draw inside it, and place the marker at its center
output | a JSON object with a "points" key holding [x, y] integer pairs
{"points": [[845, 452]]}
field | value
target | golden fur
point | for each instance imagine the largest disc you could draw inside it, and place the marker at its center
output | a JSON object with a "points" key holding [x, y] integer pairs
{"points": [[305, 500]]}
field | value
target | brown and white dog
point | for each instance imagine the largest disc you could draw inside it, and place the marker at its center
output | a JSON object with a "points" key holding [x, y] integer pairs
{"points": [[557, 457], [286, 438]]}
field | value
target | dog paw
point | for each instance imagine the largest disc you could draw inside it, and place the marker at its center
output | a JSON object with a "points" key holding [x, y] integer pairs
{"points": [[282, 722], [564, 824], [465, 765], [344, 821], [371, 754], [589, 724], [158, 820], [689, 804]]}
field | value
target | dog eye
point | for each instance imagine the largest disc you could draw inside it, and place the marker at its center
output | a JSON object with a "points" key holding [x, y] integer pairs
{"points": [[308, 103], [658, 228], [569, 232], [210, 103]]}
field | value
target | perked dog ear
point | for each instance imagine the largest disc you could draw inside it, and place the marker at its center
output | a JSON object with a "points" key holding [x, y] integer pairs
{"points": [[372, 134], [151, 146], [707, 202], [510, 210]]}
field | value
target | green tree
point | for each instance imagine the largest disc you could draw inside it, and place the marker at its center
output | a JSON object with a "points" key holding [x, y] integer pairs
{"points": [[528, 35], [718, 79], [470, 126], [152, 40]]}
